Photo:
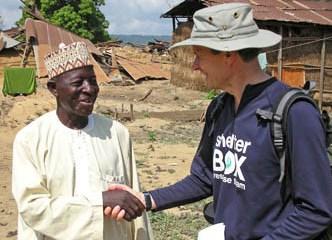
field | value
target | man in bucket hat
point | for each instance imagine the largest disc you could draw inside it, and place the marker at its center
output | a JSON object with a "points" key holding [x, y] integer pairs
{"points": [[64, 162], [236, 161]]}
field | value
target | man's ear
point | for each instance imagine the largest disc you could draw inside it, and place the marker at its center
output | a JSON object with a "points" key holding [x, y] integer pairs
{"points": [[232, 57], [51, 86]]}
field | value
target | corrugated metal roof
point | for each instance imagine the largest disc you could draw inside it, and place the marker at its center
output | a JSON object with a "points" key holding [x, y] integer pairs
{"points": [[298, 11], [138, 70], [8, 42], [185, 8], [48, 37]]}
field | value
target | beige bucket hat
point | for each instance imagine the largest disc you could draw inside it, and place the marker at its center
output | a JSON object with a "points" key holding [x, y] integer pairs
{"points": [[228, 27]]}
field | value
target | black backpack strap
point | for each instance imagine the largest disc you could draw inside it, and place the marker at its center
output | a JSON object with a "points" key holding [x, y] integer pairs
{"points": [[216, 109], [278, 118], [279, 123], [278, 126], [309, 86]]}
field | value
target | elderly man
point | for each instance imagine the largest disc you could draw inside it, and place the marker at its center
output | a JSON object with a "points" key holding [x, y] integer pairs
{"points": [[64, 162], [236, 161]]}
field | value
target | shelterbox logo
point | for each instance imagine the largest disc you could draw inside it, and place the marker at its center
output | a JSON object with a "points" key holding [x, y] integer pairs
{"points": [[227, 164]]}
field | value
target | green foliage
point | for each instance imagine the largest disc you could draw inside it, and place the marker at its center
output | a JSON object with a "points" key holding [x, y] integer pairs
{"points": [[211, 94], [152, 136], [82, 17], [146, 114]]}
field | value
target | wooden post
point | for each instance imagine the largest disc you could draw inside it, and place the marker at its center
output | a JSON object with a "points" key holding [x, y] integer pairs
{"points": [[280, 56], [131, 112], [322, 71], [173, 20], [25, 54], [116, 114]]}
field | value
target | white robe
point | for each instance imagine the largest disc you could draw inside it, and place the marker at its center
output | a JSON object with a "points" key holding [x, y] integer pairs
{"points": [[59, 175]]}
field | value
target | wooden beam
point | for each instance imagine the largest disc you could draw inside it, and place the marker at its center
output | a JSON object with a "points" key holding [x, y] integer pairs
{"points": [[131, 112], [280, 56], [302, 39], [322, 73], [26, 54]]}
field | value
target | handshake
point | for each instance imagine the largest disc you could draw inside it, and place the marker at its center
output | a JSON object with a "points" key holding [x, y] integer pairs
{"points": [[121, 202]]}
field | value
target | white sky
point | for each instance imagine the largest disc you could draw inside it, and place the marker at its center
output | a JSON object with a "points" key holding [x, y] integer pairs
{"points": [[125, 16]]}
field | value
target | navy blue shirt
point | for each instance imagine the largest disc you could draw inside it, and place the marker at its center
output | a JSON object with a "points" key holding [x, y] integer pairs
{"points": [[236, 163]]}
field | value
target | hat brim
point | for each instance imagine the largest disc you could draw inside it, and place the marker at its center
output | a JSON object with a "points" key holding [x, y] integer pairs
{"points": [[263, 39]]}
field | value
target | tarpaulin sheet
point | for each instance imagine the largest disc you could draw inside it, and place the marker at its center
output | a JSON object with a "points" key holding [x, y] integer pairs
{"points": [[19, 81]]}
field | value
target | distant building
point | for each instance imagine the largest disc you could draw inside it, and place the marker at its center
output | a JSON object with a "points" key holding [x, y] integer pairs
{"points": [[304, 54]]}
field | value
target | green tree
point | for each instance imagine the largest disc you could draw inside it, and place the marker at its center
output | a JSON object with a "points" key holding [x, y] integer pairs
{"points": [[82, 17]]}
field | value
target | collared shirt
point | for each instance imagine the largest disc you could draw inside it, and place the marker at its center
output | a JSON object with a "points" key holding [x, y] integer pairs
{"points": [[59, 175]]}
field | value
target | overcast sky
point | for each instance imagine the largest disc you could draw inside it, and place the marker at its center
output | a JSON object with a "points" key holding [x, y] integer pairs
{"points": [[125, 16]]}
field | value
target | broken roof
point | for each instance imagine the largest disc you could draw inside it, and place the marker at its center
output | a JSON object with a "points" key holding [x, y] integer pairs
{"points": [[139, 70], [47, 38], [298, 11], [7, 42]]}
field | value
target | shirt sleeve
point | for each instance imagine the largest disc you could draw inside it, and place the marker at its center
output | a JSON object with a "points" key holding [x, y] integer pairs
{"points": [[61, 217], [197, 185], [143, 229], [311, 179]]}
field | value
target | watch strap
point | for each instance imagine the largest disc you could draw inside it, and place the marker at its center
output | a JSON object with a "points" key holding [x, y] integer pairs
{"points": [[148, 201]]}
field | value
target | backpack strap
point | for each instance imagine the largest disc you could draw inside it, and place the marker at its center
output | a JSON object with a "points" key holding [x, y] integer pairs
{"points": [[278, 118], [215, 111], [279, 124]]}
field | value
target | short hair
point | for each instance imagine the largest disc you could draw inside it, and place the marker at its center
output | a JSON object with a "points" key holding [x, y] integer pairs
{"points": [[246, 54]]}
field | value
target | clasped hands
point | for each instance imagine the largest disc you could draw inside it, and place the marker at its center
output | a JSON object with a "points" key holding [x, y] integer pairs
{"points": [[121, 202]]}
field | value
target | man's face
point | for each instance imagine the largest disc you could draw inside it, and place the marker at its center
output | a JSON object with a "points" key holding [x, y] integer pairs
{"points": [[76, 91], [212, 65]]}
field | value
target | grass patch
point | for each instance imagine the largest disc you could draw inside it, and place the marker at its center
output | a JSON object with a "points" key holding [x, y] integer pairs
{"points": [[146, 114], [152, 136], [211, 94], [184, 226]]}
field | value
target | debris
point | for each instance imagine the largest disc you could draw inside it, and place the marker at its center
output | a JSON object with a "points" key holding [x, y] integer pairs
{"points": [[158, 46], [139, 70], [151, 147], [145, 96], [11, 234]]}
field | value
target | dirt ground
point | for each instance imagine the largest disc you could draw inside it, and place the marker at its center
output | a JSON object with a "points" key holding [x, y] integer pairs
{"points": [[164, 146]]}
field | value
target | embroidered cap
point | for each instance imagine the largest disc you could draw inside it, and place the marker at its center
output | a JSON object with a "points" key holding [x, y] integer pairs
{"points": [[228, 27], [66, 58]]}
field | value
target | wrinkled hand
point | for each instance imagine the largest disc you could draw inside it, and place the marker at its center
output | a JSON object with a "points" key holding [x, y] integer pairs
{"points": [[123, 202], [117, 212]]}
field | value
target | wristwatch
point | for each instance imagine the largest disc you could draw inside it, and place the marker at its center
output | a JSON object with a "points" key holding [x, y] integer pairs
{"points": [[148, 201]]}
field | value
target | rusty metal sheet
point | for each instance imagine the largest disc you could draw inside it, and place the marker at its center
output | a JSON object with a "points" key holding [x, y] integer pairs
{"points": [[47, 38], [52, 35], [304, 11], [7, 42], [314, 5], [271, 3], [310, 17], [138, 70], [115, 72]]}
